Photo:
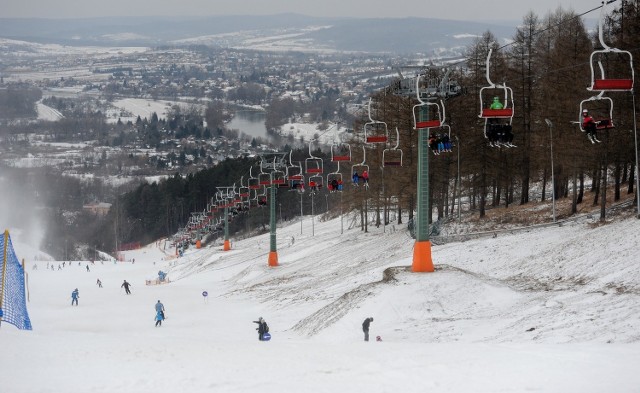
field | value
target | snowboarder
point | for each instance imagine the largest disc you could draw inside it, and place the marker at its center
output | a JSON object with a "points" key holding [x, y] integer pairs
{"points": [[160, 308], [262, 328], [365, 327], [75, 295], [126, 286]]}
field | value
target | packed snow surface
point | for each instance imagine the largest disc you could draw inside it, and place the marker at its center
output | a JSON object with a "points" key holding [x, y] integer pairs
{"points": [[546, 310]]}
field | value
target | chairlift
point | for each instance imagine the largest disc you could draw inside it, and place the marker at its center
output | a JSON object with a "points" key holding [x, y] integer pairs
{"points": [[334, 180], [315, 182], [427, 113], [496, 108], [279, 177], [264, 178], [253, 182], [359, 169], [262, 197], [619, 60], [235, 195], [243, 191], [375, 131], [295, 177], [340, 152], [253, 200], [392, 156], [313, 165], [600, 108], [294, 173]]}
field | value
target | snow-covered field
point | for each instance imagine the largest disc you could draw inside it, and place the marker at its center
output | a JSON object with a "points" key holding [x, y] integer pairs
{"points": [[48, 113], [311, 131], [549, 310], [128, 109]]}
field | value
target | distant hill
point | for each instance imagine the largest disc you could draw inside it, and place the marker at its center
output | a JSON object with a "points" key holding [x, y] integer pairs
{"points": [[276, 32]]}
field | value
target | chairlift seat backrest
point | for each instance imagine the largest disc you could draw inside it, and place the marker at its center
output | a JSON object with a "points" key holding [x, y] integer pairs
{"points": [[428, 124], [497, 113], [612, 85]]}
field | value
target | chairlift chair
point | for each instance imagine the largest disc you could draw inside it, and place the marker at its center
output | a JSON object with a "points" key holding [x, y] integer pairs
{"points": [[600, 106], [392, 156], [235, 195], [495, 90], [315, 182], [294, 174], [243, 191], [313, 165], [433, 111], [616, 57], [262, 197], [334, 180], [279, 177], [295, 177], [361, 167], [497, 121], [253, 200], [340, 152], [375, 131], [253, 182]]}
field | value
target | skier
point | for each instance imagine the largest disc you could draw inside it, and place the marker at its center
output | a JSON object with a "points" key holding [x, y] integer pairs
{"points": [[99, 283], [355, 178], [126, 286], [262, 328], [87, 268], [365, 327], [75, 295], [590, 126], [365, 178], [160, 308], [159, 318]]}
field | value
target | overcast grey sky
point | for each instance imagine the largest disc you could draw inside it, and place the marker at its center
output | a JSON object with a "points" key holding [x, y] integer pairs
{"points": [[443, 9]]}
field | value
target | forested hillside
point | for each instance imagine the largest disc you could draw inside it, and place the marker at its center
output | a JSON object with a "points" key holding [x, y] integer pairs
{"points": [[547, 66]]}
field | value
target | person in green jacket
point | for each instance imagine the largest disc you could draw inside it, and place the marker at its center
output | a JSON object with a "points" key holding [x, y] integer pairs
{"points": [[496, 104]]}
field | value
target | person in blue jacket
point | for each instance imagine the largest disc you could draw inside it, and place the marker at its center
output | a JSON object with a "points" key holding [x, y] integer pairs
{"points": [[355, 178], [74, 296], [159, 318], [160, 308]]}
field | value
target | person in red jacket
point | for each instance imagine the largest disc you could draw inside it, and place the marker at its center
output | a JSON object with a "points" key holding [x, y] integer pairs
{"points": [[365, 177], [589, 125]]}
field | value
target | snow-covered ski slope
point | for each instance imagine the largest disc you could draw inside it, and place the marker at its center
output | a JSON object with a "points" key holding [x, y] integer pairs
{"points": [[550, 310]]}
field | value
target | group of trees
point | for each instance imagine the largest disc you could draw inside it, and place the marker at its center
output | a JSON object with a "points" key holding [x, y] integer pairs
{"points": [[18, 102], [547, 65]]}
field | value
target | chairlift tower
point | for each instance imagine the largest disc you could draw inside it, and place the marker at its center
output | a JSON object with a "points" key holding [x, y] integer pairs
{"points": [[273, 163], [422, 260], [225, 195]]}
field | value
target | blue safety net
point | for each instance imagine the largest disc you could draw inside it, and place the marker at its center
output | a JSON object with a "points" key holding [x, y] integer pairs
{"points": [[14, 302]]}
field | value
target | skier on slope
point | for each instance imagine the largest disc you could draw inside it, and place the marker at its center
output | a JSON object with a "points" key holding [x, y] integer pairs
{"points": [[159, 318], [262, 328], [365, 327], [126, 286], [160, 308], [75, 295]]}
